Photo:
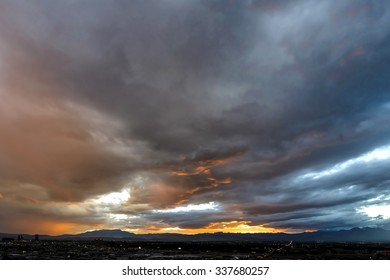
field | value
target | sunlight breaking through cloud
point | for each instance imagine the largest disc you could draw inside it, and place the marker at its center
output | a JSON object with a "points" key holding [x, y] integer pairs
{"points": [[211, 206], [114, 197], [377, 155], [376, 211]]}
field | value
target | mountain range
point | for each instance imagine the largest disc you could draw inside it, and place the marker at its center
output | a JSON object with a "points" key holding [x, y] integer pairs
{"points": [[353, 235]]}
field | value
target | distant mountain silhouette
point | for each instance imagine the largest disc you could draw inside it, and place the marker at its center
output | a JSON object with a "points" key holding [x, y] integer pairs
{"points": [[106, 233], [353, 235]]}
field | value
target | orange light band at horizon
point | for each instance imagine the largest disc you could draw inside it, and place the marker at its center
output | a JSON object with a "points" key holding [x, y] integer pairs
{"points": [[54, 228], [225, 227]]}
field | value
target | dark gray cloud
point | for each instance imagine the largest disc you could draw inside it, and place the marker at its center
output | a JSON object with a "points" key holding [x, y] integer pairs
{"points": [[192, 102]]}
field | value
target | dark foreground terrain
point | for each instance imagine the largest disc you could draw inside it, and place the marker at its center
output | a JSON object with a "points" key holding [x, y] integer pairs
{"points": [[116, 250]]}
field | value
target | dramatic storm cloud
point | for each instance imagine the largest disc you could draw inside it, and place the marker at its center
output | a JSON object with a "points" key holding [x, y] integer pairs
{"points": [[194, 116]]}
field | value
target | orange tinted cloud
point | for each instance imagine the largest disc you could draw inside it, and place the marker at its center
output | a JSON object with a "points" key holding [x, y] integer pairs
{"points": [[47, 143], [196, 176], [42, 225], [213, 184], [200, 167]]}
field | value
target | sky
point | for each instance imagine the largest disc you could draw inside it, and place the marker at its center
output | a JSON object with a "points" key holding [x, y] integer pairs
{"points": [[194, 116]]}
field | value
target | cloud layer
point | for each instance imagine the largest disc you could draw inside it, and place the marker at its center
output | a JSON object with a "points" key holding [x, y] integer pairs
{"points": [[191, 116]]}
